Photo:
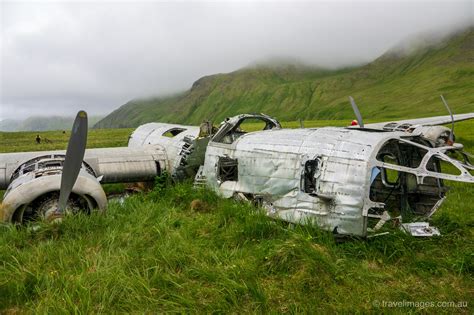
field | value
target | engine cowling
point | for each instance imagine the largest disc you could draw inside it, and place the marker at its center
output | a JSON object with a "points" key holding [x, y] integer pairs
{"points": [[438, 135], [34, 190]]}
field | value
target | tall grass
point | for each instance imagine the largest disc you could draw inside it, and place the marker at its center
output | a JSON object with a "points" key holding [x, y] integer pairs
{"points": [[153, 253], [182, 250]]}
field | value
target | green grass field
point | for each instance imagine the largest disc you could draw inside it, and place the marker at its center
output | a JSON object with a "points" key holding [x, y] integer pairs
{"points": [[154, 254], [25, 141]]}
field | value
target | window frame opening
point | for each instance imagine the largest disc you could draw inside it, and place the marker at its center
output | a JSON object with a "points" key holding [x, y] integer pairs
{"points": [[230, 131], [227, 169], [173, 132], [410, 195]]}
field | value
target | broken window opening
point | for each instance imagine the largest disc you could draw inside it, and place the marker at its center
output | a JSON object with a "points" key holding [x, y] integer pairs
{"points": [[173, 132], [425, 168], [309, 178], [400, 191], [455, 163], [464, 158], [444, 166], [243, 126], [227, 169], [158, 168], [390, 178], [254, 124], [397, 152]]}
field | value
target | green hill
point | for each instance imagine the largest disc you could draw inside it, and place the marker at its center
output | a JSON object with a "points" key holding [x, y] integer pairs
{"points": [[394, 85], [9, 124], [39, 123]]}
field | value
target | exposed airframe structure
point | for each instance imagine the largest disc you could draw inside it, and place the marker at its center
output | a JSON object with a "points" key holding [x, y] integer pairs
{"points": [[337, 178], [346, 180]]}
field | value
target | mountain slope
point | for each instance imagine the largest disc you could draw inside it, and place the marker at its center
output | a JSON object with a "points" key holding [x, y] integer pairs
{"points": [[394, 85], [9, 124], [39, 123]]}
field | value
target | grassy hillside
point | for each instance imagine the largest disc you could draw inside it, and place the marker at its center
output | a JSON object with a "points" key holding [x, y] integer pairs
{"points": [[156, 254], [394, 85], [9, 124]]}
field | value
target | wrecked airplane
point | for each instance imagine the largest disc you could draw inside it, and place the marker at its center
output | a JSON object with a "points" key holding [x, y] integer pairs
{"points": [[347, 180]]}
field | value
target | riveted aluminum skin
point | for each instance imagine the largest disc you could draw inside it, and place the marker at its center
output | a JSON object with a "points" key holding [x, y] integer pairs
{"points": [[114, 164], [154, 134], [271, 164], [270, 167]]}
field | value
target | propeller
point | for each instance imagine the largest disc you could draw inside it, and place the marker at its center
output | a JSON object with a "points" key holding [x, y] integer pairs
{"points": [[451, 135], [73, 160], [356, 112]]}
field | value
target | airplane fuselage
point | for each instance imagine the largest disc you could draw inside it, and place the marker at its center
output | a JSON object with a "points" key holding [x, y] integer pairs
{"points": [[346, 180]]}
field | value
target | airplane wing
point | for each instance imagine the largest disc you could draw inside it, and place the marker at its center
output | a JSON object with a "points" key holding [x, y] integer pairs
{"points": [[429, 121], [33, 179]]}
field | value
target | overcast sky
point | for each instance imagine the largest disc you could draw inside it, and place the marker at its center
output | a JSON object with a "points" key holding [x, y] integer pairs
{"points": [[59, 57]]}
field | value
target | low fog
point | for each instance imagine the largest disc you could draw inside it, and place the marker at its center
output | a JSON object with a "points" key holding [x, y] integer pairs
{"points": [[57, 58]]}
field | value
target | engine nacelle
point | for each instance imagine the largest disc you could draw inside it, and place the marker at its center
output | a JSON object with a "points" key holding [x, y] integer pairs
{"points": [[438, 135], [34, 191]]}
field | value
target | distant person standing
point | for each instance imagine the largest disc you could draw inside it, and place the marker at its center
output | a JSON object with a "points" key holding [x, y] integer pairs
{"points": [[38, 139]]}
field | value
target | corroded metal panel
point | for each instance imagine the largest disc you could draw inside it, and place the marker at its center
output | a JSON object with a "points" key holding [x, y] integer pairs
{"points": [[271, 164]]}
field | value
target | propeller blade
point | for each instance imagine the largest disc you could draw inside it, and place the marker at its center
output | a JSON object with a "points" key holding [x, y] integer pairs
{"points": [[356, 112], [451, 135], [74, 157]]}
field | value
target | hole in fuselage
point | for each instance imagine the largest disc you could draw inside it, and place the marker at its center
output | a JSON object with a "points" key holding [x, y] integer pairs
{"points": [[400, 191], [227, 169]]}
